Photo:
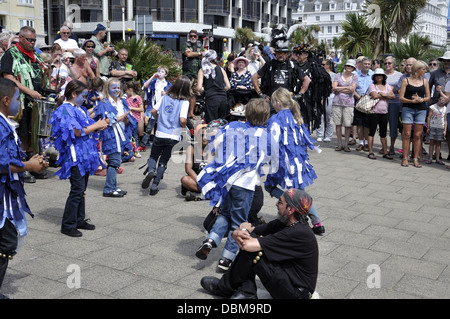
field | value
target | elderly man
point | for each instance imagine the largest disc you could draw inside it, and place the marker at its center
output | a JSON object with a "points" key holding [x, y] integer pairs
{"points": [[283, 253], [439, 78], [192, 55], [80, 69], [102, 52], [66, 44], [25, 67], [121, 69]]}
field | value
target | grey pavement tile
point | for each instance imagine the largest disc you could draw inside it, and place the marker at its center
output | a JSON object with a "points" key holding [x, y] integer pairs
{"points": [[424, 287], [422, 268]]}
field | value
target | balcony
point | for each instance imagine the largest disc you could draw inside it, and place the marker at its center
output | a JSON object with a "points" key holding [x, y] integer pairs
{"points": [[236, 12]]}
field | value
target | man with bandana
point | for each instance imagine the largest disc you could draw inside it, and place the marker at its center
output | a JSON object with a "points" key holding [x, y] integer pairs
{"points": [[283, 253], [192, 55], [24, 66]]}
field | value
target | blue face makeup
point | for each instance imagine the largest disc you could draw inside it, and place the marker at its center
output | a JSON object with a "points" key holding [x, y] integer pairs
{"points": [[80, 98], [15, 103], [114, 90]]}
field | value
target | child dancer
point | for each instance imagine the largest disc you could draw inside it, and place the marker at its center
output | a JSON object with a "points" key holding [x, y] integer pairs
{"points": [[137, 110], [171, 113], [293, 169], [75, 140], [95, 93], [230, 180], [13, 222], [436, 128], [116, 138], [155, 88]]}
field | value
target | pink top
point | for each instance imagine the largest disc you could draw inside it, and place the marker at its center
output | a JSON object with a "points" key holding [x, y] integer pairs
{"points": [[135, 102], [382, 106]]}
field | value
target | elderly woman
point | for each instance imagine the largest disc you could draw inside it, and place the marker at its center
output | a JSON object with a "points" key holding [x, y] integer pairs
{"points": [[80, 69], [394, 108], [414, 94], [213, 81], [241, 78], [379, 89]]}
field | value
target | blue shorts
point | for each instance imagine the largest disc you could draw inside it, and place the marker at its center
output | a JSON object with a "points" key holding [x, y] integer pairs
{"points": [[413, 116]]}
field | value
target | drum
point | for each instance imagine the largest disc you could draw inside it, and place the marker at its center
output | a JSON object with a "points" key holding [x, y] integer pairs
{"points": [[45, 109]]}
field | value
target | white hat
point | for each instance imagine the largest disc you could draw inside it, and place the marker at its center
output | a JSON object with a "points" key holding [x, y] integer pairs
{"points": [[378, 71], [445, 57], [351, 62], [67, 55]]}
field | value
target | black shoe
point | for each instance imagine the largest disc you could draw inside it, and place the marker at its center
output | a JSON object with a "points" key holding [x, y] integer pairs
{"points": [[42, 175], [147, 180], [85, 225], [241, 295], [28, 178], [72, 232], [113, 194], [203, 251], [154, 190], [318, 230], [121, 191], [210, 284]]}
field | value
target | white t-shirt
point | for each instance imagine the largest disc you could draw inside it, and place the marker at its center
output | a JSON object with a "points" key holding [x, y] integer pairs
{"points": [[437, 116], [447, 89], [69, 44]]}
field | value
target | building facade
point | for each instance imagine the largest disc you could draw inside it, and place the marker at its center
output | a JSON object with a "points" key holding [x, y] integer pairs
{"points": [[15, 14], [329, 14], [171, 20]]}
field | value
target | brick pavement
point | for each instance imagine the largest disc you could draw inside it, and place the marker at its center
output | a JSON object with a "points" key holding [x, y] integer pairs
{"points": [[378, 216]]}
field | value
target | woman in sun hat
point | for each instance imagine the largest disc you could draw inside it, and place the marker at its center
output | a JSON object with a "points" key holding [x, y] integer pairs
{"points": [[241, 78], [379, 89]]}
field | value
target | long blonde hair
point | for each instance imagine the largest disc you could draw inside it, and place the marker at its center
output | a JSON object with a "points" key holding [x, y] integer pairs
{"points": [[284, 97]]}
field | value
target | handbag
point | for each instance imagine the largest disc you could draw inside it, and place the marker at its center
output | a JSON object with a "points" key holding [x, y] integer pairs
{"points": [[366, 104]]}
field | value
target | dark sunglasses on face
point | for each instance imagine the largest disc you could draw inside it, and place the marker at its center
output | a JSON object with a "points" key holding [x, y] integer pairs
{"points": [[193, 36], [65, 32], [387, 63], [433, 64], [89, 47], [30, 40]]}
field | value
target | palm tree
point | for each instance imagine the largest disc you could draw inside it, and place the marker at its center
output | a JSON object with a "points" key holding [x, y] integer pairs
{"points": [[356, 36], [416, 46], [243, 36], [306, 34], [401, 14]]}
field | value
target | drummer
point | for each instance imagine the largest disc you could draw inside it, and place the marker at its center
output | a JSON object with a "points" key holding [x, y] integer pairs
{"points": [[26, 68]]}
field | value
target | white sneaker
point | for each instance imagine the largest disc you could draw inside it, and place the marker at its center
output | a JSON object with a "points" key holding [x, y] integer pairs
{"points": [[319, 139], [327, 139]]}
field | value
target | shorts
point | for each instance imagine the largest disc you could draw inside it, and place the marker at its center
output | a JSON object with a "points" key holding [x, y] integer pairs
{"points": [[342, 115], [436, 134], [413, 116], [360, 119]]}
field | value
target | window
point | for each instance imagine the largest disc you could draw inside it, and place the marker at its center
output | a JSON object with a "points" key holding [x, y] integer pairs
{"points": [[330, 29], [332, 17], [317, 18], [28, 23], [337, 29], [332, 6], [348, 6], [318, 7], [29, 2]]}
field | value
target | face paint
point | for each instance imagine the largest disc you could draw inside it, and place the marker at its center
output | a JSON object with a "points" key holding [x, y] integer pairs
{"points": [[80, 98], [15, 103], [114, 90]]}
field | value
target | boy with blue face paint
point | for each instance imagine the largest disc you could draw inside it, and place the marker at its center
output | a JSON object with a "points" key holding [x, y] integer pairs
{"points": [[13, 223]]}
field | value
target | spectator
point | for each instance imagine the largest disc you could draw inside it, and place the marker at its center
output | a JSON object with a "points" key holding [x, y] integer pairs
{"points": [[67, 44], [394, 105], [72, 35], [192, 55], [132, 90], [241, 78], [344, 86], [379, 89], [101, 52], [121, 69], [447, 100], [89, 47], [213, 81], [414, 94], [325, 131], [437, 128], [440, 77], [361, 120], [80, 69], [433, 65], [376, 64], [283, 253], [255, 59]]}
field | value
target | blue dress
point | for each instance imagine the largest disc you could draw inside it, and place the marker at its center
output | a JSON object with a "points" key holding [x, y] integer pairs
{"points": [[12, 193], [115, 138], [241, 149], [74, 151], [292, 169]]}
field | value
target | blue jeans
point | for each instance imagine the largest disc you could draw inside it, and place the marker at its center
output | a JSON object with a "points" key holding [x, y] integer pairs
{"points": [[413, 116], [74, 211], [114, 161], [394, 111], [312, 214], [235, 209]]}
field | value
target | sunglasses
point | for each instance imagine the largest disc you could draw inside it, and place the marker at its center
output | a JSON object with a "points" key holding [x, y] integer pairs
{"points": [[323, 64], [89, 47], [65, 32], [30, 39], [193, 36], [387, 63], [433, 64]]}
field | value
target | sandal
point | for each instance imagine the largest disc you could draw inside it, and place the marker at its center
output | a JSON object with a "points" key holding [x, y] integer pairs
{"points": [[416, 163], [359, 148], [372, 156], [387, 156], [391, 151], [405, 162], [338, 148], [440, 162], [346, 149], [429, 161]]}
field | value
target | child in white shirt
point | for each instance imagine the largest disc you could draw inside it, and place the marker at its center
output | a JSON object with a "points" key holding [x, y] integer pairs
{"points": [[437, 128]]}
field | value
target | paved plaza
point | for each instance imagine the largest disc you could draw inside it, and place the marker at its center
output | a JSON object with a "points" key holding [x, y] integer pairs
{"points": [[387, 234]]}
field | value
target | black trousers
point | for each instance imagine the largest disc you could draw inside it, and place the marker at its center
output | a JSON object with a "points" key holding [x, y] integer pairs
{"points": [[75, 209], [241, 277], [8, 246]]}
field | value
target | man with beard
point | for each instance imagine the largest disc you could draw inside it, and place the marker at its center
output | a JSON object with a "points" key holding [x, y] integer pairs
{"points": [[283, 253], [192, 56], [439, 78]]}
